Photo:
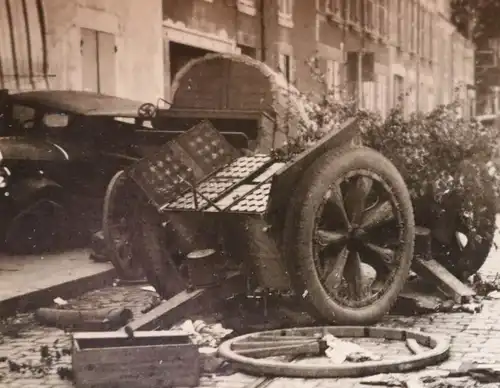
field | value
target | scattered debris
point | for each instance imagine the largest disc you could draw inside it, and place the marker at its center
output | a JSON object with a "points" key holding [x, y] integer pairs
{"points": [[155, 302], [65, 373], [60, 301], [339, 351], [98, 319], [493, 295], [483, 287], [14, 327], [148, 288], [44, 351], [203, 334]]}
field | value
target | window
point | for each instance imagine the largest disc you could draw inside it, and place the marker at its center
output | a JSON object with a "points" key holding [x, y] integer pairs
{"points": [[285, 13], [381, 93], [398, 89], [285, 66], [333, 77], [21, 113], [369, 15], [354, 11], [422, 49], [400, 23], [246, 6], [333, 7], [248, 51], [55, 120], [412, 25], [382, 17]]}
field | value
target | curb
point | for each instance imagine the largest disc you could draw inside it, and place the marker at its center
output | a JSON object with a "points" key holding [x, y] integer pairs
{"points": [[45, 297]]}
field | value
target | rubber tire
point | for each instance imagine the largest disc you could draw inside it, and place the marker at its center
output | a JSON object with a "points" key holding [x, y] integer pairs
{"points": [[473, 256], [298, 231], [112, 195], [150, 247], [54, 237]]}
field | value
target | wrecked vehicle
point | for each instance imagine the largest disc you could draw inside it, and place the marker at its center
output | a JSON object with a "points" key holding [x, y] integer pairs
{"points": [[58, 151]]}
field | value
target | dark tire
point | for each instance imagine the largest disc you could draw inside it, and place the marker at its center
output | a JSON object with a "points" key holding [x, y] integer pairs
{"points": [[383, 241], [40, 228], [117, 228], [152, 250], [464, 260]]}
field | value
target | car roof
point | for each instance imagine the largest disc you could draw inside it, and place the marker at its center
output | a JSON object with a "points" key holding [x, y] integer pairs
{"points": [[79, 102]]}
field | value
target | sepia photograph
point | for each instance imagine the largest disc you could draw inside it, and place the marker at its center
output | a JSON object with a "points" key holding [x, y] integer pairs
{"points": [[249, 193]]}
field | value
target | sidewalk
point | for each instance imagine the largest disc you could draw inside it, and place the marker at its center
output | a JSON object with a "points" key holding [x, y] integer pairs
{"points": [[32, 281]]}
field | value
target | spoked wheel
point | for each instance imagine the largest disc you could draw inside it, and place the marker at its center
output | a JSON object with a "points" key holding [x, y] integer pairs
{"points": [[349, 236], [118, 228], [455, 244], [251, 352]]}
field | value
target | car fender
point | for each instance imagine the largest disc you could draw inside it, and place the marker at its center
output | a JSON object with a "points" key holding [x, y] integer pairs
{"points": [[23, 148], [28, 190]]}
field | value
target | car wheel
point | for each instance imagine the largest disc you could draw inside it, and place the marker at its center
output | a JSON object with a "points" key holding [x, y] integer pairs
{"points": [[465, 252], [117, 226], [154, 251], [40, 228], [349, 236]]}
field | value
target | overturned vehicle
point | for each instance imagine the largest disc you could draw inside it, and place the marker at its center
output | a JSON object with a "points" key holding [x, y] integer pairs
{"points": [[334, 226]]}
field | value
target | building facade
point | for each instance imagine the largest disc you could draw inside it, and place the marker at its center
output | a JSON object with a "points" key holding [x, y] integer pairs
{"points": [[370, 50], [109, 46]]}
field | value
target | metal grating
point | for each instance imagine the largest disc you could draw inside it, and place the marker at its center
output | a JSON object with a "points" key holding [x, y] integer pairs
{"points": [[193, 155], [208, 148], [244, 166], [210, 189], [162, 176], [255, 202]]}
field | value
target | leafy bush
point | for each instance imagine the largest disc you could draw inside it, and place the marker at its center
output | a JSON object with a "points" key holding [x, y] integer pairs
{"points": [[428, 149]]}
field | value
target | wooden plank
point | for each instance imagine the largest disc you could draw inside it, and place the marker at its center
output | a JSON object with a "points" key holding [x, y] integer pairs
{"points": [[114, 339], [433, 271], [187, 303]]}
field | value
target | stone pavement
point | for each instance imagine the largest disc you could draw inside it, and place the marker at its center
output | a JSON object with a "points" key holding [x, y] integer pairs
{"points": [[26, 280], [475, 337]]}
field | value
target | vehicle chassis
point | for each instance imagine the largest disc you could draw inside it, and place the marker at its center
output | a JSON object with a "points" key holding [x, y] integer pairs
{"points": [[200, 172]]}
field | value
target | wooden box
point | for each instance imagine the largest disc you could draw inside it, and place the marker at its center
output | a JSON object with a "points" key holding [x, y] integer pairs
{"points": [[148, 359]]}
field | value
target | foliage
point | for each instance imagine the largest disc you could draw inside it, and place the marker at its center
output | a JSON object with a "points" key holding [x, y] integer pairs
{"points": [[428, 149]]}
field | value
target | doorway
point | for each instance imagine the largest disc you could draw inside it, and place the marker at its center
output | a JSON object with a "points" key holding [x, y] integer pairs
{"points": [[180, 54]]}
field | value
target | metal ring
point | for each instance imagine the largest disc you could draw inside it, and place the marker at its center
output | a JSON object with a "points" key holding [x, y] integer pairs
{"points": [[439, 351]]}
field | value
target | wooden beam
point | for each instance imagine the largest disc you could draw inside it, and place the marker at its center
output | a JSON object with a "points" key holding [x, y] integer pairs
{"points": [[434, 272], [187, 303]]}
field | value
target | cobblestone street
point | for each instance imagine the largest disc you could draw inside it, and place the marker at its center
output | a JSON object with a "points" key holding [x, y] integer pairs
{"points": [[475, 337]]}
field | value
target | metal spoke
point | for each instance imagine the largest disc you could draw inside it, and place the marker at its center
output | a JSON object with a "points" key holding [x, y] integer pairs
{"points": [[356, 199], [325, 237], [386, 254], [335, 204], [334, 269], [354, 275], [378, 215]]}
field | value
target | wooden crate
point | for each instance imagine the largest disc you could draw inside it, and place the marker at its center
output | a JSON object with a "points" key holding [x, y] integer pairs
{"points": [[148, 359]]}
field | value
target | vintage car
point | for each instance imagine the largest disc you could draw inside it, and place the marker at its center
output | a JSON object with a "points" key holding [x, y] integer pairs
{"points": [[58, 151]]}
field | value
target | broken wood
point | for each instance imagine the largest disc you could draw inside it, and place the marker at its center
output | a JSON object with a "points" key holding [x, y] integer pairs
{"points": [[414, 346], [433, 271], [89, 320], [188, 303]]}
